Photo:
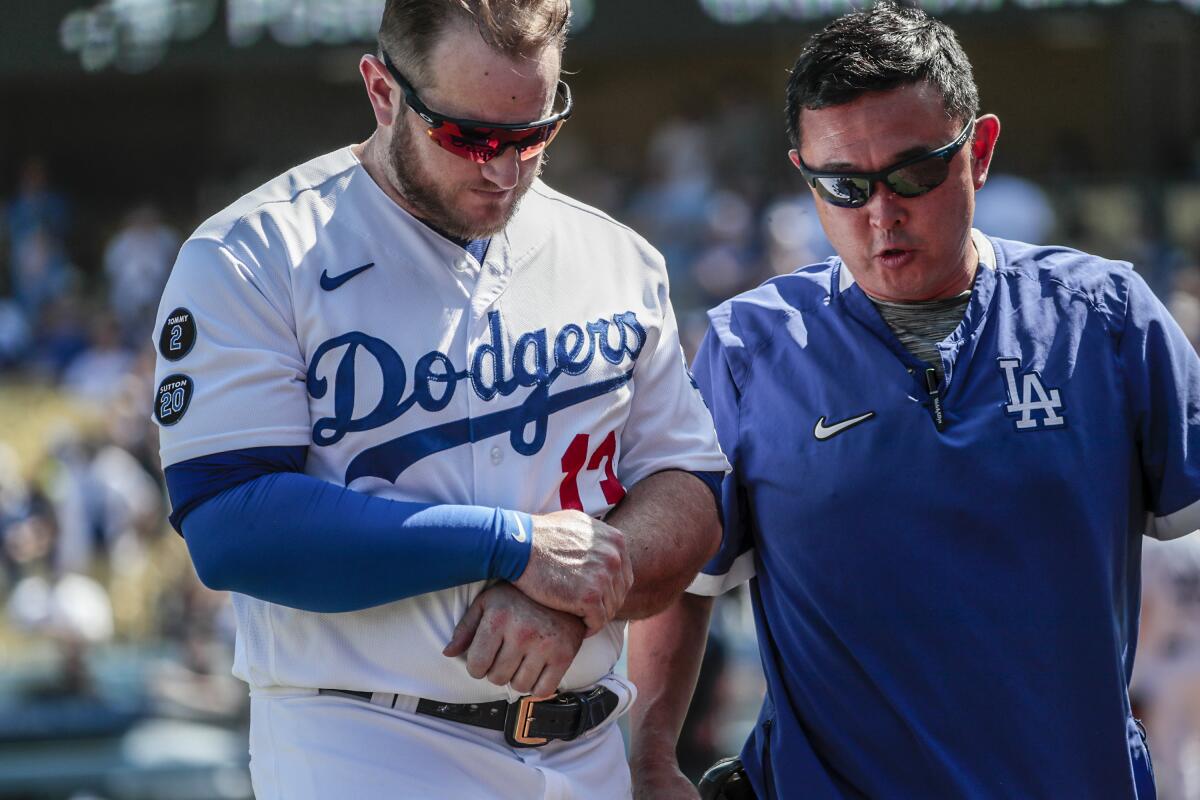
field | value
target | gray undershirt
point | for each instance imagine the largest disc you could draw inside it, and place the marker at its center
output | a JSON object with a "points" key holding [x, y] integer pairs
{"points": [[921, 326]]}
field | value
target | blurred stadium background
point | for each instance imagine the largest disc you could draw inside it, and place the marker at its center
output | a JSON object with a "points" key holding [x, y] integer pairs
{"points": [[125, 123]]}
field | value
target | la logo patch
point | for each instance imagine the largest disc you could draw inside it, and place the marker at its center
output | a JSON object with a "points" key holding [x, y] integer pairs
{"points": [[1028, 396]]}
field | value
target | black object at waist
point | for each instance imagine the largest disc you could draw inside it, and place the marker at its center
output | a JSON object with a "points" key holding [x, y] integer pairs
{"points": [[526, 722]]}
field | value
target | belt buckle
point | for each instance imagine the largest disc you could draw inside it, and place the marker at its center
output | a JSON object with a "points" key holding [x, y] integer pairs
{"points": [[518, 722]]}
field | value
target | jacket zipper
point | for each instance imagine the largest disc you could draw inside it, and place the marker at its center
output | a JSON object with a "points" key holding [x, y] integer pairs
{"points": [[935, 399], [768, 781]]}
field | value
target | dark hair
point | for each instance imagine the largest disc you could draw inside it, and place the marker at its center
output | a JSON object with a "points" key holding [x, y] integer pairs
{"points": [[884, 48], [410, 28]]}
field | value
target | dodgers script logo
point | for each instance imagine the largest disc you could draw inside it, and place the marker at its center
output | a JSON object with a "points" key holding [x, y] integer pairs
{"points": [[535, 362]]}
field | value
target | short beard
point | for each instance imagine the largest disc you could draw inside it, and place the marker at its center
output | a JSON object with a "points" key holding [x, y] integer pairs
{"points": [[428, 200]]}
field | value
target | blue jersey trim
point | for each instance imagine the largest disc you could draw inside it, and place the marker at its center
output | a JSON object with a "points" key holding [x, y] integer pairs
{"points": [[478, 248], [190, 483]]}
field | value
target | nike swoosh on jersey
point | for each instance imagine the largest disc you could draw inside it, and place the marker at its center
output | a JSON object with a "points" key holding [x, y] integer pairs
{"points": [[520, 536], [823, 431], [329, 284]]}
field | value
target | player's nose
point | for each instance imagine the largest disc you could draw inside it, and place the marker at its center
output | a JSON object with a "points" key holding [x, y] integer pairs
{"points": [[886, 209], [504, 169]]}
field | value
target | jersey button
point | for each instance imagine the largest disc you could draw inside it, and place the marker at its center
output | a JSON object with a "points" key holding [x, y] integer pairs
{"points": [[497, 455], [462, 265]]}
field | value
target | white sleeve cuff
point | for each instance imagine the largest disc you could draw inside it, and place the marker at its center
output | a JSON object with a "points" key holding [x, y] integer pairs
{"points": [[738, 573], [1172, 526]]}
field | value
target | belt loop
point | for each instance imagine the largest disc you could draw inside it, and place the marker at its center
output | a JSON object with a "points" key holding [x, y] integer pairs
{"points": [[402, 702], [591, 713], [385, 699], [585, 719]]}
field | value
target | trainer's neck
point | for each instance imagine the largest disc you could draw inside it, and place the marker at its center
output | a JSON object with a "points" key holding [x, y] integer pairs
{"points": [[962, 285]]}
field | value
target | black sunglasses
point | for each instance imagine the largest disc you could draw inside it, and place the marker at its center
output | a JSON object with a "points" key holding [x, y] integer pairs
{"points": [[911, 177], [482, 141]]}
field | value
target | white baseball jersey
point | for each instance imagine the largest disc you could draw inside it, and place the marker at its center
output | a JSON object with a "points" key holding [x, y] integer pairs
{"points": [[318, 312]]}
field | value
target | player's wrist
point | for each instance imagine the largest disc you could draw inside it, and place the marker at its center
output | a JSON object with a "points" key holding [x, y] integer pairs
{"points": [[514, 544]]}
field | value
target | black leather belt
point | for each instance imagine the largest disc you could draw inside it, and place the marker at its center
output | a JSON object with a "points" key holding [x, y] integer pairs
{"points": [[526, 723]]}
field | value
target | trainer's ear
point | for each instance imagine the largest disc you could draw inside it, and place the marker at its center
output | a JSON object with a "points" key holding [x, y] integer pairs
{"points": [[983, 146], [384, 95]]}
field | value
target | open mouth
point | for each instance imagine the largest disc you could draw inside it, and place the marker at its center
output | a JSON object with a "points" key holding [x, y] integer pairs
{"points": [[894, 257]]}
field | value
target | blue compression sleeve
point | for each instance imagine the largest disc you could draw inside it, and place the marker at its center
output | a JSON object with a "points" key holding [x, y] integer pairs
{"points": [[298, 541]]}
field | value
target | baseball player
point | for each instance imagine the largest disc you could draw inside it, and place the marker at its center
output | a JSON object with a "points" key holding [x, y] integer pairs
{"points": [[397, 388], [946, 448]]}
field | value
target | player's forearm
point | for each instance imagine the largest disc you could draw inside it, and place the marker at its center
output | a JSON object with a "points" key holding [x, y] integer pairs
{"points": [[665, 652], [295, 540], [671, 529]]}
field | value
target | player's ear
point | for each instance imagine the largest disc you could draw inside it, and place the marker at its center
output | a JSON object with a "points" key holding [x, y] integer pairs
{"points": [[383, 94], [983, 146]]}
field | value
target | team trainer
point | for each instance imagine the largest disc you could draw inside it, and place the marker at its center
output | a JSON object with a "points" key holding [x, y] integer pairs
{"points": [[946, 448], [397, 387]]}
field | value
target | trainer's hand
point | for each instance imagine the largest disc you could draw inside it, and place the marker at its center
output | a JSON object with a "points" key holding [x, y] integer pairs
{"points": [[662, 781], [578, 565], [512, 640]]}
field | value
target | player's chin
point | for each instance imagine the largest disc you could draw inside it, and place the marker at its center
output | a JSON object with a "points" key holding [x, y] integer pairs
{"points": [[486, 204], [486, 213]]}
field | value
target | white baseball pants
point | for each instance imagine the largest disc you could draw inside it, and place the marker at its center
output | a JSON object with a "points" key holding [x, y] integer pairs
{"points": [[305, 746]]}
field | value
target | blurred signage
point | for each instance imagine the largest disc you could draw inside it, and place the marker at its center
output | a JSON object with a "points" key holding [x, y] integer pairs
{"points": [[736, 12], [134, 35]]}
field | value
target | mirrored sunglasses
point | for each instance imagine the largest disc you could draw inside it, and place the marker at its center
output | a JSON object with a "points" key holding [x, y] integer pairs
{"points": [[480, 142], [911, 177]]}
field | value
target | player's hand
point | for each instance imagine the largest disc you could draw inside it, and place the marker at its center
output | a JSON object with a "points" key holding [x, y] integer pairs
{"points": [[512, 640], [662, 781], [578, 565]]}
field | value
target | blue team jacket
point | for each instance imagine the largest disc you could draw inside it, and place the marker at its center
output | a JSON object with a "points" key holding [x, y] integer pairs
{"points": [[947, 573]]}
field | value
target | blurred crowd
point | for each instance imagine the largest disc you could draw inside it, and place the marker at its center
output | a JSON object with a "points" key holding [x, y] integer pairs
{"points": [[104, 624], [89, 566]]}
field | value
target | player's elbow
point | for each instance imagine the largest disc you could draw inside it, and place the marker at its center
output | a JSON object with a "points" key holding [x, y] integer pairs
{"points": [[211, 569], [710, 536], [708, 533], [700, 543], [212, 557]]}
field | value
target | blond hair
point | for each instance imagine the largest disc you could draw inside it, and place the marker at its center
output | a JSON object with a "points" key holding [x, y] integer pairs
{"points": [[410, 29]]}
